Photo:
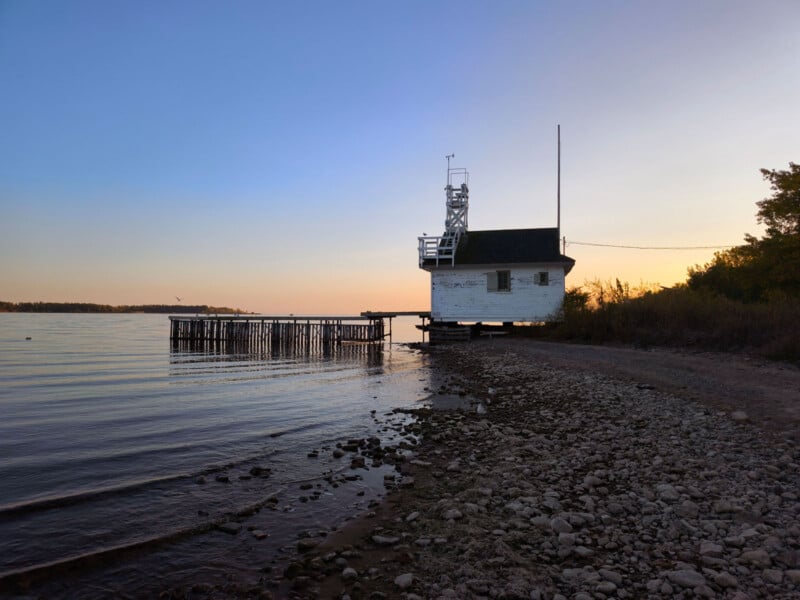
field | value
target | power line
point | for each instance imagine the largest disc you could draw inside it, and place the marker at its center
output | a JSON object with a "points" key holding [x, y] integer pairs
{"points": [[571, 243]]}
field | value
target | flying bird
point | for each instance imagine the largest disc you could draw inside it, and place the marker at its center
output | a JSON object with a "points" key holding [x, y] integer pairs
{"points": [[177, 298]]}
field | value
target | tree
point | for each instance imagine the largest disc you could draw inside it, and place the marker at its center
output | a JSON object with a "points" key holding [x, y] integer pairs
{"points": [[781, 212], [761, 268]]}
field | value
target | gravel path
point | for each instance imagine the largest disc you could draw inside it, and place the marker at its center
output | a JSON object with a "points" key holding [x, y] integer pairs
{"points": [[592, 473]]}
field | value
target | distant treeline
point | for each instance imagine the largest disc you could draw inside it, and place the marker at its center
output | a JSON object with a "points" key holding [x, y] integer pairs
{"points": [[86, 307]]}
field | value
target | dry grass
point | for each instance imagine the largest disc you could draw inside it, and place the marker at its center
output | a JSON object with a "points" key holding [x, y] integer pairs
{"points": [[680, 317]]}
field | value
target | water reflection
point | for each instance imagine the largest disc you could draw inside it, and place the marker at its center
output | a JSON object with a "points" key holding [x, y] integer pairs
{"points": [[187, 351]]}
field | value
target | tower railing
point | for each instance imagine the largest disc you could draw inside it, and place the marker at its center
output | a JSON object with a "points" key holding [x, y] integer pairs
{"points": [[442, 248]]}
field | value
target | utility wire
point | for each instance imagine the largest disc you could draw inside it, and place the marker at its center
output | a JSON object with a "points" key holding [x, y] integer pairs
{"points": [[571, 243]]}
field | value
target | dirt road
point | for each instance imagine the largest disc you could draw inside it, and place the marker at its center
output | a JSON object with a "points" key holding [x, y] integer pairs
{"points": [[768, 392]]}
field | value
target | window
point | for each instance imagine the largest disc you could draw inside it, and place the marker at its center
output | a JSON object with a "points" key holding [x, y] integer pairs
{"points": [[543, 278], [498, 281]]}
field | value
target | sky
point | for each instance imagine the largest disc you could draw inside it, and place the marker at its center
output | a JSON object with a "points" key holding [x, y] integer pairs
{"points": [[283, 157]]}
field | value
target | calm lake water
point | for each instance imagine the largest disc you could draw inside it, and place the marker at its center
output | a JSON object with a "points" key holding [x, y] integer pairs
{"points": [[106, 435]]}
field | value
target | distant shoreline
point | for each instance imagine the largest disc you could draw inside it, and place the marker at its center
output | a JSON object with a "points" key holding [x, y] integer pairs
{"points": [[86, 307]]}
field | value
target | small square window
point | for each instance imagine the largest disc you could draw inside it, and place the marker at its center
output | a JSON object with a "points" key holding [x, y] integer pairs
{"points": [[543, 278], [504, 281], [498, 281]]}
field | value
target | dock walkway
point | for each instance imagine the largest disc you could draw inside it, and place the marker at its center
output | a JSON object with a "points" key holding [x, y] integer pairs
{"points": [[258, 332]]}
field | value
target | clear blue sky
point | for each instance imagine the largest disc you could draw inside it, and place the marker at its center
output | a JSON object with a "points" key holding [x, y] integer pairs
{"points": [[283, 157]]}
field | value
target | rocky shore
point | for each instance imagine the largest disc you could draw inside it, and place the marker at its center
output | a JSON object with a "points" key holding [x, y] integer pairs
{"points": [[568, 484]]}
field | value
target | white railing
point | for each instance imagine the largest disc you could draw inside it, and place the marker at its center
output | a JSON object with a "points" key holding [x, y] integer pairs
{"points": [[438, 248]]}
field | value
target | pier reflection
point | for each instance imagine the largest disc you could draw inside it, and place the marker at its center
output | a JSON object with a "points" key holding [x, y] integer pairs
{"points": [[371, 355]]}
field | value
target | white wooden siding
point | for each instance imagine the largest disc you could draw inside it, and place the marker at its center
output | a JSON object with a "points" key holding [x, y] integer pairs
{"points": [[462, 295]]}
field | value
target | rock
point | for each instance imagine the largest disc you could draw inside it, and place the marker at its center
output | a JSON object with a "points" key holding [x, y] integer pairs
{"points": [[349, 574], [725, 506], [710, 549], [612, 576], [688, 578], [567, 539], [726, 580], [606, 587], [773, 576], [384, 540], [758, 557], [687, 509], [793, 575], [259, 534], [559, 525], [412, 517], [404, 581], [739, 416], [667, 492], [231, 527], [453, 514], [306, 544]]}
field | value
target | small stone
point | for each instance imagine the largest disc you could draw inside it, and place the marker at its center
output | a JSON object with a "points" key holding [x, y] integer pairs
{"points": [[724, 507], [710, 549], [606, 587], [667, 492], [793, 575], [567, 539], [423, 542], [453, 514], [231, 527], [758, 557], [612, 576], [259, 534], [412, 517], [306, 544], [739, 416], [726, 580], [560, 525], [688, 578], [349, 574], [773, 576], [385, 540], [687, 509], [404, 581]]}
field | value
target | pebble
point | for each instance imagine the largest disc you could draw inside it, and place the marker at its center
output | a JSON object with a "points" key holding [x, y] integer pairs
{"points": [[577, 486], [385, 540], [404, 581]]}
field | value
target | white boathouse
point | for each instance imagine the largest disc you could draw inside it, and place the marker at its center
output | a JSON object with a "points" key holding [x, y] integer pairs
{"points": [[503, 276]]}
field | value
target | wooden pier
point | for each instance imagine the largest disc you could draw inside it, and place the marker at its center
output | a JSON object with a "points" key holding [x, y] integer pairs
{"points": [[259, 333]]}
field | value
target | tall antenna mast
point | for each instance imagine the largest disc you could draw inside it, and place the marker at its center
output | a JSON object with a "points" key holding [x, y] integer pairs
{"points": [[558, 188]]}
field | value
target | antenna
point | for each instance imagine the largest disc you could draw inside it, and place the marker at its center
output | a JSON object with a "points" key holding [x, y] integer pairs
{"points": [[448, 157], [558, 187]]}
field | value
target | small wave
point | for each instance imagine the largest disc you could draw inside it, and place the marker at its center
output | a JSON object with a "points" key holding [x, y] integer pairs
{"points": [[38, 504], [23, 577], [84, 496]]}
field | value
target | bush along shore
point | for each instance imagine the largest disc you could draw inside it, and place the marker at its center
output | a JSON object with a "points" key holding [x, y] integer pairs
{"points": [[569, 485]]}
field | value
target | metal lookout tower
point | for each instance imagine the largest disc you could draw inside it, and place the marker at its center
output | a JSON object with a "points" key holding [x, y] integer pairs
{"points": [[443, 248]]}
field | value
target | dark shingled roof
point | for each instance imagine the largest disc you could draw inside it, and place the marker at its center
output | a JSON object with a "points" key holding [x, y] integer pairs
{"points": [[510, 246]]}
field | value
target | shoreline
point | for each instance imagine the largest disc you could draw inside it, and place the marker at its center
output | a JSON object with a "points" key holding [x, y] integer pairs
{"points": [[574, 484]]}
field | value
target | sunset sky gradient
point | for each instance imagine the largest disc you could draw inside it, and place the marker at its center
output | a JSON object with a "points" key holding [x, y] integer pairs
{"points": [[284, 156]]}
